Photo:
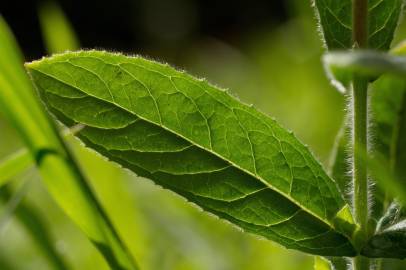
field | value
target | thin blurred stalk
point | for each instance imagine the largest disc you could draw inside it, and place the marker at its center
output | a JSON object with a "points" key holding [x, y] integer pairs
{"points": [[12, 201], [59, 36], [58, 169], [14, 164], [32, 222], [57, 32]]}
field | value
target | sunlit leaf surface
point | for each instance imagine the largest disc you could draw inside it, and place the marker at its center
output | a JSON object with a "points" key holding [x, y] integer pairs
{"points": [[199, 141]]}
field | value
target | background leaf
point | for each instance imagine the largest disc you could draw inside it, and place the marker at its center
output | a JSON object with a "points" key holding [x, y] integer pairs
{"points": [[13, 165], [335, 18], [331, 263], [57, 32], [340, 167], [176, 130], [321, 264], [388, 103], [33, 223], [389, 240]]}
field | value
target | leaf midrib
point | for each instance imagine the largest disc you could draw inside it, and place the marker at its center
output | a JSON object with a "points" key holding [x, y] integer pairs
{"points": [[30, 65]]}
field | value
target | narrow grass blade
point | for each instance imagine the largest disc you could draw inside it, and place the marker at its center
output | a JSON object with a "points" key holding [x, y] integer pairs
{"points": [[57, 31], [36, 228], [14, 165]]}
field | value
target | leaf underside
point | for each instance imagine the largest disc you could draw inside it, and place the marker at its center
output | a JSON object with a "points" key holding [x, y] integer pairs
{"points": [[389, 241], [198, 141], [335, 19]]}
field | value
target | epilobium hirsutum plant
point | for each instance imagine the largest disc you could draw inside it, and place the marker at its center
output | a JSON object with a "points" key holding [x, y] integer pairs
{"points": [[228, 158]]}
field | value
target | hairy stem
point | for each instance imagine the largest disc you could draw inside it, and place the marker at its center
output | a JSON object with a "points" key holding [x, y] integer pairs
{"points": [[360, 122], [360, 87]]}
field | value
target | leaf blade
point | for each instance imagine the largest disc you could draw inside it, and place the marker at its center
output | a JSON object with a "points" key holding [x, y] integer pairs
{"points": [[389, 242], [336, 22], [34, 223], [13, 165], [205, 135]]}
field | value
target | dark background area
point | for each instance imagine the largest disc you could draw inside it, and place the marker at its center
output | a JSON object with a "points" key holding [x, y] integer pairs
{"points": [[146, 25]]}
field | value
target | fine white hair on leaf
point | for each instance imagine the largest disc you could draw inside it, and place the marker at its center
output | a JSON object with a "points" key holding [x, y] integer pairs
{"points": [[319, 26]]}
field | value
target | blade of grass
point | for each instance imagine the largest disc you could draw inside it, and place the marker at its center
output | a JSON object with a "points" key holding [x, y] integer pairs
{"points": [[14, 164], [59, 35], [12, 202], [57, 32], [33, 224], [58, 169]]}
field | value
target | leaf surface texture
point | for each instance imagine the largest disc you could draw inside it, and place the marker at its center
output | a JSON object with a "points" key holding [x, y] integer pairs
{"points": [[335, 18], [192, 138]]}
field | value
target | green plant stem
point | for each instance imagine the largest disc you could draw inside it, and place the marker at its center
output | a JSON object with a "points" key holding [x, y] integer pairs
{"points": [[360, 87], [360, 23], [361, 263], [360, 122]]}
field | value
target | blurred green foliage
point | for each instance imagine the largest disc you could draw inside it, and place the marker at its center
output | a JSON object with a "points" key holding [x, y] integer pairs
{"points": [[280, 72]]}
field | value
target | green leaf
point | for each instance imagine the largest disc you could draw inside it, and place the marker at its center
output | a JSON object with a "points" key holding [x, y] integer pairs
{"points": [[321, 263], [339, 263], [394, 217], [343, 65], [335, 18], [200, 142], [389, 241], [330, 263], [53, 159], [33, 223], [393, 264], [394, 214], [340, 167], [388, 106], [13, 165], [388, 103]]}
